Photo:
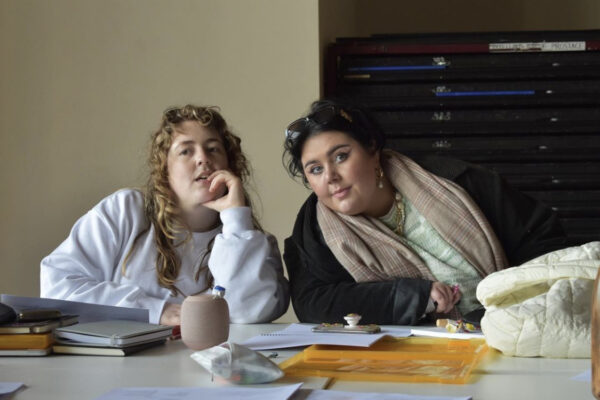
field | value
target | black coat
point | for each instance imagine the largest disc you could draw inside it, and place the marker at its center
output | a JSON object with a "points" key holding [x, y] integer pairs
{"points": [[323, 291]]}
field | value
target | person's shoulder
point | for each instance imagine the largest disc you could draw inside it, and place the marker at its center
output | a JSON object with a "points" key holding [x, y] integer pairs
{"points": [[444, 166], [126, 196], [307, 211], [453, 168], [126, 201], [310, 203], [306, 226], [472, 177]]}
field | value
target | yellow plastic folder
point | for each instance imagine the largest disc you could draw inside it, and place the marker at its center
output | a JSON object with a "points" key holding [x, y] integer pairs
{"points": [[412, 359]]}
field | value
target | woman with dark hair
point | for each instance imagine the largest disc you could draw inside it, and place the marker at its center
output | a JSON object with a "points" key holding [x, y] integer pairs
{"points": [[391, 239], [190, 229]]}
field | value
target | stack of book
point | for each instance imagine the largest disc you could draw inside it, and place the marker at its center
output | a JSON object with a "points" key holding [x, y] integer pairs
{"points": [[24, 337], [109, 338]]}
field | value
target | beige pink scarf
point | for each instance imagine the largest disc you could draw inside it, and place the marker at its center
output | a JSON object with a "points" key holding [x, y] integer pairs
{"points": [[370, 251]]}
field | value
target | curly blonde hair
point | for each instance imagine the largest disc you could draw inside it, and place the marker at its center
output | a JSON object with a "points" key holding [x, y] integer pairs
{"points": [[160, 202]]}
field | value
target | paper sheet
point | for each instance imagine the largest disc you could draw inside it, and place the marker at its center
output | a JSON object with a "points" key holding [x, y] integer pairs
{"points": [[87, 312], [303, 394], [9, 387], [194, 393], [296, 335], [434, 331]]}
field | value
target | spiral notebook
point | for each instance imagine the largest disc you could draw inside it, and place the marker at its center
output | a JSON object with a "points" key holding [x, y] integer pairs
{"points": [[296, 335]]}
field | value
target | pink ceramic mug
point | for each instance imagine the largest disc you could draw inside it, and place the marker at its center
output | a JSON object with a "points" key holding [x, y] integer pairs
{"points": [[205, 320]]}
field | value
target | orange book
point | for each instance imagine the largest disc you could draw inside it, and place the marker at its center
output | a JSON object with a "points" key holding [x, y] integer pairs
{"points": [[26, 341]]}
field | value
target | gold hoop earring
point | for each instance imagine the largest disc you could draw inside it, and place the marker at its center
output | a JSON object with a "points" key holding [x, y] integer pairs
{"points": [[379, 177]]}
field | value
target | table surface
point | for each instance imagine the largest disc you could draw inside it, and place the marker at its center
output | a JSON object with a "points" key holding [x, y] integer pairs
{"points": [[87, 377]]}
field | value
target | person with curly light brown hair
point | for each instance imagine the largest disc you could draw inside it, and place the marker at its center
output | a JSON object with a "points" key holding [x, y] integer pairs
{"points": [[191, 228]]}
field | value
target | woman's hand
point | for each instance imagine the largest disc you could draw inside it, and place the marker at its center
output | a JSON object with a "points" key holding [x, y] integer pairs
{"points": [[234, 195], [171, 314], [444, 296]]}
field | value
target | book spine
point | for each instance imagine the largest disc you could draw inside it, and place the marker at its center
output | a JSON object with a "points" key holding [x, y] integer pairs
{"points": [[26, 341]]}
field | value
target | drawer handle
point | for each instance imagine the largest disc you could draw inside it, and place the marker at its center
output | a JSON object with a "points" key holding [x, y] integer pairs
{"points": [[440, 61], [441, 144], [441, 116]]}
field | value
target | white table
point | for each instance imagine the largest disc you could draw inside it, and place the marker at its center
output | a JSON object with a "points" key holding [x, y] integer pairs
{"points": [[84, 377]]}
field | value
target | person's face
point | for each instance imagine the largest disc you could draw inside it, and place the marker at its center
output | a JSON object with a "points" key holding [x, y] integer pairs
{"points": [[341, 172], [195, 153]]}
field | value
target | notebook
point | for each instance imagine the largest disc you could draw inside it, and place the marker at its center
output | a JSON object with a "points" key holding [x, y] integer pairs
{"points": [[37, 326], [96, 350], [114, 332], [87, 312], [26, 341], [25, 353]]}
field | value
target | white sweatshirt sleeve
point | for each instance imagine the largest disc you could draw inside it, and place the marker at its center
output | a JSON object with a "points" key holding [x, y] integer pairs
{"points": [[247, 263], [85, 266]]}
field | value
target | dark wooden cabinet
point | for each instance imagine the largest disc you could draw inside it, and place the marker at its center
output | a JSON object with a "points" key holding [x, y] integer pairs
{"points": [[526, 104]]}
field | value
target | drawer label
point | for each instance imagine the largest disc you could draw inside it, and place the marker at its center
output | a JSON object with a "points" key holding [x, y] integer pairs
{"points": [[537, 46]]}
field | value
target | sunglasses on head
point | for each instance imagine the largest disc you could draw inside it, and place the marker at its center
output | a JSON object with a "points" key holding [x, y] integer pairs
{"points": [[320, 117]]}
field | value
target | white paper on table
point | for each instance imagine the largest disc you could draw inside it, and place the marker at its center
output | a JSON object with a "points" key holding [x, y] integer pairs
{"points": [[585, 376], [296, 335], [9, 387], [194, 393], [304, 394], [396, 331], [434, 331], [87, 312]]}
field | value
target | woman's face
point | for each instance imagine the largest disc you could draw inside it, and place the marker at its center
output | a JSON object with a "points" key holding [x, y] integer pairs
{"points": [[196, 152], [341, 172]]}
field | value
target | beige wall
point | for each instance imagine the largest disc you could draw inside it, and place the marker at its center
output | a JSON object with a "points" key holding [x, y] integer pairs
{"points": [[83, 84]]}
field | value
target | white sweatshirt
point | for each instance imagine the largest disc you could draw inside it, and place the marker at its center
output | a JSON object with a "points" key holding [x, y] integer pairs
{"points": [[87, 266]]}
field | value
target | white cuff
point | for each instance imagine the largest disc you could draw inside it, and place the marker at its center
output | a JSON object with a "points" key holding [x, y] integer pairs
{"points": [[236, 220]]}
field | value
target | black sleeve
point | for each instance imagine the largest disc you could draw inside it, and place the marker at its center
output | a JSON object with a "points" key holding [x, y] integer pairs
{"points": [[526, 227], [328, 294]]}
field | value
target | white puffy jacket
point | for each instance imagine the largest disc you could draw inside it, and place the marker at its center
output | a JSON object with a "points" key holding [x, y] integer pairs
{"points": [[543, 307]]}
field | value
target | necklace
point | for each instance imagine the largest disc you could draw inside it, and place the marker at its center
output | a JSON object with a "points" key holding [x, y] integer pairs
{"points": [[399, 214], [394, 218]]}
